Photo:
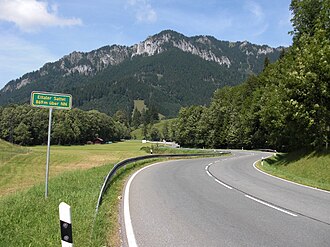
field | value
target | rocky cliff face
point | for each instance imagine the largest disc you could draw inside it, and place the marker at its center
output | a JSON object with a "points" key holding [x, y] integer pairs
{"points": [[227, 54], [158, 43]]}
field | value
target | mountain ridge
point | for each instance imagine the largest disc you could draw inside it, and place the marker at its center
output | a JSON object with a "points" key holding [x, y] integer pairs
{"points": [[242, 58]]}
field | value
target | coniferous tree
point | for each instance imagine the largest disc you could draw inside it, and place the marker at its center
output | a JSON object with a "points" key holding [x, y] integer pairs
{"points": [[136, 118], [266, 62]]}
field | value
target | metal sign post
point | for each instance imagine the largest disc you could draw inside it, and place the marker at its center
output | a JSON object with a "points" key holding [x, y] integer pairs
{"points": [[50, 100], [48, 150]]}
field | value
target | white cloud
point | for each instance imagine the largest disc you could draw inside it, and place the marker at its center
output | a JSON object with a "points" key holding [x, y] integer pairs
{"points": [[255, 9], [144, 12], [256, 22], [31, 15]]}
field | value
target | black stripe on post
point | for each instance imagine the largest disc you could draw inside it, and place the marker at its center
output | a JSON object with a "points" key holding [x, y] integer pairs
{"points": [[66, 232]]}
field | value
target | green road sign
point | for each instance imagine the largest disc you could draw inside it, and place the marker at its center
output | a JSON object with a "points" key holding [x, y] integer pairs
{"points": [[51, 100]]}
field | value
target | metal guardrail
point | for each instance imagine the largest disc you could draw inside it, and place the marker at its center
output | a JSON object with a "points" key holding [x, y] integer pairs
{"points": [[132, 160]]}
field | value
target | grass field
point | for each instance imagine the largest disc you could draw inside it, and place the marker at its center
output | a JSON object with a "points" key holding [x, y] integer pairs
{"points": [[21, 168], [309, 168]]}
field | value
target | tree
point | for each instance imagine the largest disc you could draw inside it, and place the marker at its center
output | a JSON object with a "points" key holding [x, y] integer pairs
{"points": [[151, 115], [29, 126], [305, 16], [145, 131], [155, 134], [22, 134], [266, 62], [122, 117], [136, 118], [165, 131], [39, 126], [188, 124], [282, 54]]}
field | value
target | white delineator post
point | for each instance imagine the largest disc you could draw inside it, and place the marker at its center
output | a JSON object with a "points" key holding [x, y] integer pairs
{"points": [[66, 226]]}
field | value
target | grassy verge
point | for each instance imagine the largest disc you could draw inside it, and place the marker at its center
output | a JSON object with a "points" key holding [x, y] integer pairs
{"points": [[28, 219], [308, 168]]}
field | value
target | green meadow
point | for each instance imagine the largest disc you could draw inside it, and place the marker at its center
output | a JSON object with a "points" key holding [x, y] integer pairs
{"points": [[22, 167]]}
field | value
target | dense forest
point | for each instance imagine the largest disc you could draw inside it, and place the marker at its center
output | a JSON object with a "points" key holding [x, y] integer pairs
{"points": [[286, 107], [25, 125]]}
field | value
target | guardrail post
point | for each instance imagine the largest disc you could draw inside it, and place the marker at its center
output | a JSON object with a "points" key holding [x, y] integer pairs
{"points": [[66, 226]]}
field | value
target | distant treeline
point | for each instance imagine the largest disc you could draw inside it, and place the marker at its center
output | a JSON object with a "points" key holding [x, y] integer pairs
{"points": [[25, 125], [286, 107]]}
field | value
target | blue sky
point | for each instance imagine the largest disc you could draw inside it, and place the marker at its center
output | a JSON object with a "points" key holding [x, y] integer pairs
{"points": [[34, 32]]}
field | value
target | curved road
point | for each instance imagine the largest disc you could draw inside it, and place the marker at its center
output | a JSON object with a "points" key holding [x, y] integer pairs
{"points": [[221, 201]]}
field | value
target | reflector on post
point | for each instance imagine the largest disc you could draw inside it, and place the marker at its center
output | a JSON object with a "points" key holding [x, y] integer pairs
{"points": [[65, 224]]}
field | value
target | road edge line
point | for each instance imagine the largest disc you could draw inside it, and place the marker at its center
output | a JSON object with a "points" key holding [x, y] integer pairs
{"points": [[215, 178], [271, 206], [127, 215]]}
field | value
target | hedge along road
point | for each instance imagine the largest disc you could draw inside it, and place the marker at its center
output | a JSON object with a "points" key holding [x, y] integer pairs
{"points": [[221, 202]]}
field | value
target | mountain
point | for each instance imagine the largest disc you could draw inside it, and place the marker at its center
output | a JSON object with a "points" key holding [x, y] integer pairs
{"points": [[167, 70]]}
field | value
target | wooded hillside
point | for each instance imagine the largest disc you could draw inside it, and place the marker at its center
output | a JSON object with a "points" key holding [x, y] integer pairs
{"points": [[286, 107]]}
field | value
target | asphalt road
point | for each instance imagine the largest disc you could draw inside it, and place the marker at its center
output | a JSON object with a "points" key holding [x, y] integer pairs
{"points": [[221, 202]]}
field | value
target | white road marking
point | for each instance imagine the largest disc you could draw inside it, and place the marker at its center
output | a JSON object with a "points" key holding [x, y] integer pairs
{"points": [[208, 173], [223, 184], [215, 179], [291, 182], [271, 206], [127, 215]]}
